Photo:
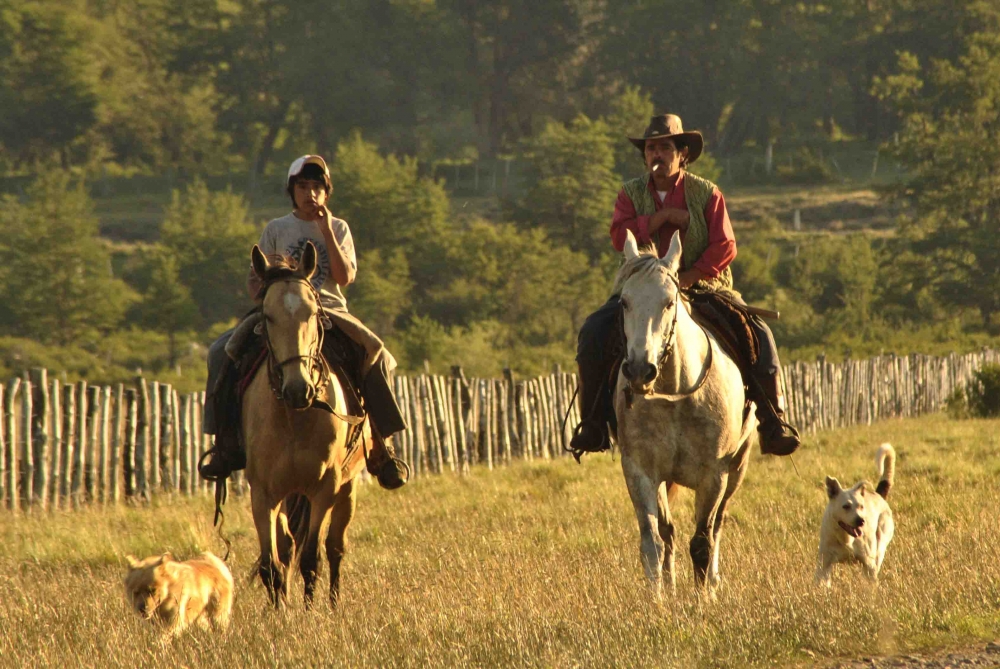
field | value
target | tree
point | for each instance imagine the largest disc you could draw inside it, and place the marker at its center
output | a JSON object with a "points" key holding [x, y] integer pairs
{"points": [[210, 237], [389, 205], [575, 186], [166, 305], [381, 293], [523, 56], [45, 95], [55, 273], [950, 111]]}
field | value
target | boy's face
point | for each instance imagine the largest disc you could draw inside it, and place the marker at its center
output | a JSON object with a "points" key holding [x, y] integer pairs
{"points": [[310, 195]]}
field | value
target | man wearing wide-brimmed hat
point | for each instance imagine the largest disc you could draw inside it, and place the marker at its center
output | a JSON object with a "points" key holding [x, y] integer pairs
{"points": [[664, 200]]}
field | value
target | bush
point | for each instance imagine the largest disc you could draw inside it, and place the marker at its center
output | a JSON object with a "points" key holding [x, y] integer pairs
{"points": [[805, 167], [983, 392]]}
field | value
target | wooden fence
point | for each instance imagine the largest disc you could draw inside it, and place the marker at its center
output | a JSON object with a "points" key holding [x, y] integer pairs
{"points": [[65, 445]]}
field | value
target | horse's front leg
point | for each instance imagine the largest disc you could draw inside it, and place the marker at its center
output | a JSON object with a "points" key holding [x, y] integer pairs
{"points": [[707, 499], [309, 552], [336, 538], [265, 519], [643, 492], [665, 525]]}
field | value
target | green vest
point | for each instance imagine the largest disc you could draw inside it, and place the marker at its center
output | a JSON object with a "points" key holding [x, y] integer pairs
{"points": [[697, 192]]}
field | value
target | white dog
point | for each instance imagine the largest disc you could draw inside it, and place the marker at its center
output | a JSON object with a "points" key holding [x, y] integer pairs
{"points": [[857, 525]]}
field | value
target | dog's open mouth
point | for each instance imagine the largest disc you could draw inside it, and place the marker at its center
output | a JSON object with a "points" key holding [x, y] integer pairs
{"points": [[853, 531]]}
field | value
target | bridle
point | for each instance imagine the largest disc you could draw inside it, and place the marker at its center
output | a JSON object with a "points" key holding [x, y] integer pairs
{"points": [[318, 367], [669, 346]]}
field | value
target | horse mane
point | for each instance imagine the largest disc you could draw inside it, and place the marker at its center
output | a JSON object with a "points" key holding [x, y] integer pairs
{"points": [[281, 267], [645, 263]]}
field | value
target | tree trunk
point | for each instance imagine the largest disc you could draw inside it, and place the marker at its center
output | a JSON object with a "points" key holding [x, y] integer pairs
{"points": [[274, 126]]}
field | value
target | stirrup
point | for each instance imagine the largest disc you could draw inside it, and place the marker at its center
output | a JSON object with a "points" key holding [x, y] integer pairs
{"points": [[216, 456], [578, 452]]}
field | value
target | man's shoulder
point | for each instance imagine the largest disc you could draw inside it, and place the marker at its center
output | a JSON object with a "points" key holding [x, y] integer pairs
{"points": [[638, 182], [634, 188], [700, 183]]}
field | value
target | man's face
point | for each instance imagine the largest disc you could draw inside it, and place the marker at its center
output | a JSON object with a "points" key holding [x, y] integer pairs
{"points": [[310, 195], [663, 152]]}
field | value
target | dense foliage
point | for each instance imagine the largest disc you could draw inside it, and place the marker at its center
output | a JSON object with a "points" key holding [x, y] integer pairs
{"points": [[213, 99]]}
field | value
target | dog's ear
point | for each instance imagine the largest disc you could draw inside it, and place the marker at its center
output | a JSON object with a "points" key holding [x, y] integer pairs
{"points": [[832, 487], [132, 562], [863, 487]]}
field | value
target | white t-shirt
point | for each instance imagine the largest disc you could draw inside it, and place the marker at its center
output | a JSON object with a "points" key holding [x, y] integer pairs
{"points": [[288, 235]]}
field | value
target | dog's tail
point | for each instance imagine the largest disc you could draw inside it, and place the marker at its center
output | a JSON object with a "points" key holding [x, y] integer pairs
{"points": [[885, 460]]}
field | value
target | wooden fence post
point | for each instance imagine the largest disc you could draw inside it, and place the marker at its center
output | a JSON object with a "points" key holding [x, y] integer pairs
{"points": [[109, 474], [142, 440], [91, 478], [185, 437], [128, 454], [56, 443], [27, 478], [155, 429], [79, 453], [117, 445], [4, 456], [13, 496], [175, 408], [167, 452], [69, 446], [40, 431]]}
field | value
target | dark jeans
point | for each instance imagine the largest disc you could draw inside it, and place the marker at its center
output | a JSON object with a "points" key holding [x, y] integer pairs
{"points": [[596, 360], [338, 348]]}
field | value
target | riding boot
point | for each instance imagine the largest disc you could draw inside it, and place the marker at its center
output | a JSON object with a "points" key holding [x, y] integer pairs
{"points": [[382, 463], [776, 436], [591, 435], [225, 457]]}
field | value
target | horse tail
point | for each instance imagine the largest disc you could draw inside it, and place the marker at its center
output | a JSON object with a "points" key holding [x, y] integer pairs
{"points": [[297, 511]]}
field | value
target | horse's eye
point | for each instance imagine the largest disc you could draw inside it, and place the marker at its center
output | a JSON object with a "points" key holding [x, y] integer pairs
{"points": [[625, 305]]}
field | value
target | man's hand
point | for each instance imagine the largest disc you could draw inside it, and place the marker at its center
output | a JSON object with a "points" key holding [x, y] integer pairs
{"points": [[689, 277], [674, 216]]}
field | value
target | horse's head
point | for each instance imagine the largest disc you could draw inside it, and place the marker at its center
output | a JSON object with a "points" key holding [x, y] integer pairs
{"points": [[649, 298], [292, 327]]}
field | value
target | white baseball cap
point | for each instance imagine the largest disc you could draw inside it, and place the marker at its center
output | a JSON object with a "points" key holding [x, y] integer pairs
{"points": [[299, 163]]}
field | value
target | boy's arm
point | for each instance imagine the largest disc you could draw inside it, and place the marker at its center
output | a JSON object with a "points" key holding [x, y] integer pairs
{"points": [[341, 266]]}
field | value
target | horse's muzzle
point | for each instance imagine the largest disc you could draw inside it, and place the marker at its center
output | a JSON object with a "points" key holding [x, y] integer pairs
{"points": [[298, 394], [640, 373]]}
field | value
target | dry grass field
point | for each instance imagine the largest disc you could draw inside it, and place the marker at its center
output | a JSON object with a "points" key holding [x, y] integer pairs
{"points": [[537, 565]]}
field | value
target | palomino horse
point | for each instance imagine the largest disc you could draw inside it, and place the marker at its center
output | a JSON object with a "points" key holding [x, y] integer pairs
{"points": [[680, 408], [294, 449]]}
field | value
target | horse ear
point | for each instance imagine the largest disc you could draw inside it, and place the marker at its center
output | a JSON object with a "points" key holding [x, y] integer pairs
{"points": [[672, 261], [258, 261], [832, 487], [631, 249], [307, 265]]}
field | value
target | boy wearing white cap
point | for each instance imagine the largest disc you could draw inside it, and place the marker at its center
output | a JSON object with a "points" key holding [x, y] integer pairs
{"points": [[308, 185]]}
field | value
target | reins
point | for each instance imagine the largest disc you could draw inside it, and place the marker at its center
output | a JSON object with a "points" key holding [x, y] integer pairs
{"points": [[668, 350], [319, 369]]}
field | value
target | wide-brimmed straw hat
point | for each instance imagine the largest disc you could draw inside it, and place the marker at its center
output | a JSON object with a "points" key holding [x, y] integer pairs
{"points": [[669, 126]]}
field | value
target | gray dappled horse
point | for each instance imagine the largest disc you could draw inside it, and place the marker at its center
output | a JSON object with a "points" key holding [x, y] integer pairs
{"points": [[680, 408]]}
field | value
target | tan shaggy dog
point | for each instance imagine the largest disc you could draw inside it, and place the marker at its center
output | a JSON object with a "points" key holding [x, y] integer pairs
{"points": [[857, 525], [180, 593]]}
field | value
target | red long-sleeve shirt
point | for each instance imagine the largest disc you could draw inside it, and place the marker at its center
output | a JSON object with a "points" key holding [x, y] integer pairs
{"points": [[721, 241]]}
